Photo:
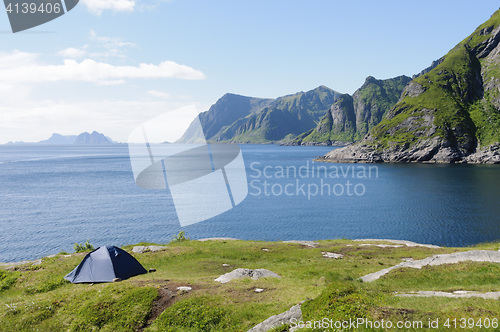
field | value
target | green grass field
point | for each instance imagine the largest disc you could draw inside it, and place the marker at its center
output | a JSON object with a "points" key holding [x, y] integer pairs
{"points": [[37, 298]]}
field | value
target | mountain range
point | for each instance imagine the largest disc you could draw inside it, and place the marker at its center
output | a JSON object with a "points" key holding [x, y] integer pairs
{"points": [[239, 119], [449, 112], [319, 116], [93, 138]]}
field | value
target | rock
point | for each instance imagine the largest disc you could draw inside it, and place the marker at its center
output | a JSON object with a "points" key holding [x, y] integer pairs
{"points": [[277, 320], [381, 245], [218, 239], [403, 242], [151, 270], [311, 244], [473, 255], [413, 90], [15, 264], [117, 280], [37, 262], [258, 290], [265, 249], [156, 248], [143, 249], [183, 289], [226, 265], [457, 294], [489, 155], [242, 273], [139, 249], [331, 255]]}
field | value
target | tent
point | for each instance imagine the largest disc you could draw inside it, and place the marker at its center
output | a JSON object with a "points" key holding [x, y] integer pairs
{"points": [[105, 264]]}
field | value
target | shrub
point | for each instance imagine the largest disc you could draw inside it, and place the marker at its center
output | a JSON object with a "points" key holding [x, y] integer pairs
{"points": [[83, 247], [180, 237]]}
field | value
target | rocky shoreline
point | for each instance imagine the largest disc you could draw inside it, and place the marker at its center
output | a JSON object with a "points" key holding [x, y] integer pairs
{"points": [[432, 152]]}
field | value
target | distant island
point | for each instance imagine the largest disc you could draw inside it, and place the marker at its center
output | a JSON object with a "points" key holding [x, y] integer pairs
{"points": [[93, 138]]}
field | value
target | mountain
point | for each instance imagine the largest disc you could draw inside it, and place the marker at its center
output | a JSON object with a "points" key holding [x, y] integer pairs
{"points": [[351, 117], [83, 139], [92, 139], [58, 139], [240, 119], [225, 112], [448, 114]]}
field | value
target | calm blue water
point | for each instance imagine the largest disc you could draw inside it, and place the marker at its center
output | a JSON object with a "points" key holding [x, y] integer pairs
{"points": [[52, 197]]}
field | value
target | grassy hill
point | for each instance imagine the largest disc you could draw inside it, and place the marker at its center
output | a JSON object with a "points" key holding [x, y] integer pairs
{"points": [[38, 298]]}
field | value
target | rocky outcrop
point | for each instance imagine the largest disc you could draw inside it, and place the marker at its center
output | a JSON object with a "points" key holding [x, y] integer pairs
{"points": [[472, 256], [351, 117], [456, 294], [242, 273], [447, 114], [287, 317]]}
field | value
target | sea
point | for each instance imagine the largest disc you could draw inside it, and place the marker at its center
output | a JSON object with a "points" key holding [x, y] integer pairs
{"points": [[54, 196]]}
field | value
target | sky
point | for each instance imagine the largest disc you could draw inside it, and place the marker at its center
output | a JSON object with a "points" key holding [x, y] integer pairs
{"points": [[110, 65]]}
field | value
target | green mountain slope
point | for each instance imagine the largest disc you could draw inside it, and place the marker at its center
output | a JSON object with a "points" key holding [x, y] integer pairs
{"points": [[448, 114], [240, 119], [350, 118]]}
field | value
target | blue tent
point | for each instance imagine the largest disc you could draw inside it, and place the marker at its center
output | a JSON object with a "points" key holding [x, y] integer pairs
{"points": [[105, 264]]}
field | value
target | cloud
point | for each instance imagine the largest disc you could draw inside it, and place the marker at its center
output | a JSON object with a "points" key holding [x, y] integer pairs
{"points": [[21, 67], [97, 6], [99, 47], [73, 53], [16, 59], [159, 94]]}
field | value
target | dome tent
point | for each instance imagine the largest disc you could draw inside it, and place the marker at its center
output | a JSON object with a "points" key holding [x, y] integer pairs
{"points": [[105, 264]]}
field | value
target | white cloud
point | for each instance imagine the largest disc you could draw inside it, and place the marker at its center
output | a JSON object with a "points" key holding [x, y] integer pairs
{"points": [[100, 47], [73, 53], [159, 94], [97, 6], [20, 67], [16, 59]]}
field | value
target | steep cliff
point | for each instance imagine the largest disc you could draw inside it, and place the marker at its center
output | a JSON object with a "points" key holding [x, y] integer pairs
{"points": [[449, 114], [241, 119], [350, 118]]}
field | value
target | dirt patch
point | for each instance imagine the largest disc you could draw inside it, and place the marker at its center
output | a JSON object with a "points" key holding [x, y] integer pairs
{"points": [[165, 299], [167, 296], [391, 313], [480, 312]]}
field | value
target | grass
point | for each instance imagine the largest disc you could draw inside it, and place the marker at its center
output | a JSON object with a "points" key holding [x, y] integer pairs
{"points": [[37, 297]]}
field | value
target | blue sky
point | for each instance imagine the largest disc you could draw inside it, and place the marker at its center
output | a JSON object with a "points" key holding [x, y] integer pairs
{"points": [[109, 65]]}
